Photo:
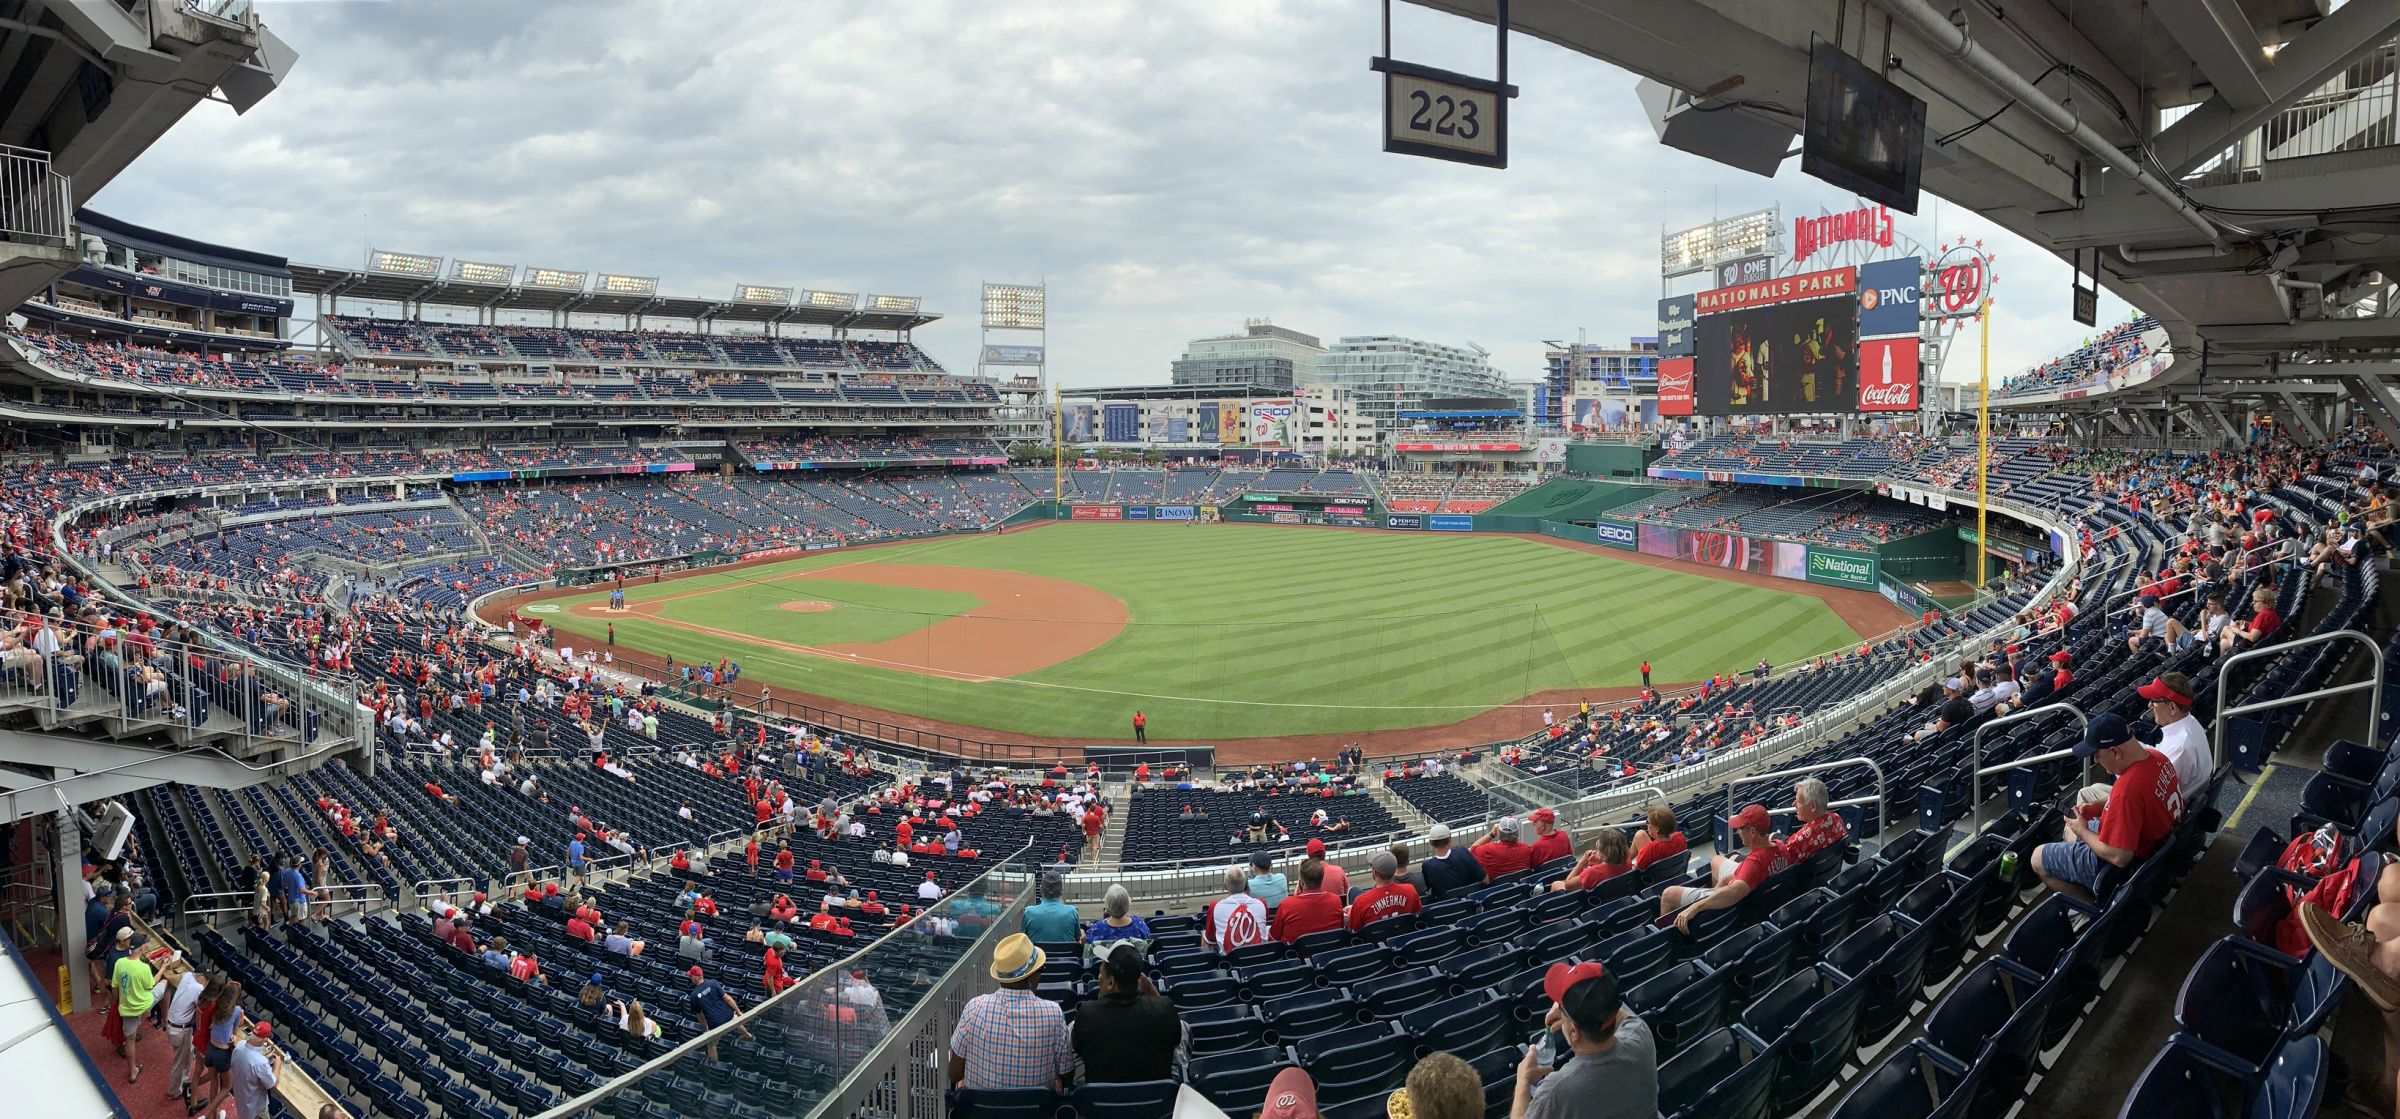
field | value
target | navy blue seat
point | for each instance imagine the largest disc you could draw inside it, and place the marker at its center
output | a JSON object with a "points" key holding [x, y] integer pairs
{"points": [[1126, 1100], [2191, 1080], [1237, 1081], [1341, 967], [1917, 1081], [1729, 1074], [1029, 1103], [1812, 1021], [1750, 962], [2246, 999], [1682, 1004], [1309, 1012], [1993, 1018]]}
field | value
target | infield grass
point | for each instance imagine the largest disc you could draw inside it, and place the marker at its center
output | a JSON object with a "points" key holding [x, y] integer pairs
{"points": [[1244, 631]]}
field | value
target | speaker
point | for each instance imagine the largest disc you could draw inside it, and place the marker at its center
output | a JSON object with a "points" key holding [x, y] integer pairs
{"points": [[106, 834], [1731, 138]]}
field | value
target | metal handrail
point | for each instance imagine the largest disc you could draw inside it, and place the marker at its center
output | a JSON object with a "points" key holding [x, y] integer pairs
{"points": [[443, 888], [2372, 685], [1882, 784], [191, 906], [1000, 872], [1975, 779]]}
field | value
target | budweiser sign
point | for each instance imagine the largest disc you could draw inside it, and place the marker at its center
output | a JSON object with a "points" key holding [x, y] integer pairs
{"points": [[1675, 386], [1871, 224], [1782, 289]]}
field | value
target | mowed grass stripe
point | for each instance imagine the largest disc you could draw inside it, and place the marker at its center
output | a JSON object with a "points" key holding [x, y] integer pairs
{"points": [[1314, 631]]}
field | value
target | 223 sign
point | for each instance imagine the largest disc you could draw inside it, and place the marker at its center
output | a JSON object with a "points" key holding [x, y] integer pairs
{"points": [[1444, 118]]}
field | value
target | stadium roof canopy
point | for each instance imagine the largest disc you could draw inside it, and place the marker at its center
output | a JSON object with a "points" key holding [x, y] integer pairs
{"points": [[546, 291], [1472, 414], [2226, 166]]}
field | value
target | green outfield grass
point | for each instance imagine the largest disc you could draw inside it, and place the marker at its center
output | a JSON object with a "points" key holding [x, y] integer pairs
{"points": [[1244, 631]]}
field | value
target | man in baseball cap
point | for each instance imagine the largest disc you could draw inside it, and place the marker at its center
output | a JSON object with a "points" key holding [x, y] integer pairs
{"points": [[1447, 872], [2180, 736], [1292, 1096], [2143, 804], [1385, 898], [1611, 1069], [1761, 860], [1550, 841], [1499, 850]]}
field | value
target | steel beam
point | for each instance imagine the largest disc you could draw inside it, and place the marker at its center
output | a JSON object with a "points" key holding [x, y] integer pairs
{"points": [[2220, 39], [2302, 65], [2293, 412]]}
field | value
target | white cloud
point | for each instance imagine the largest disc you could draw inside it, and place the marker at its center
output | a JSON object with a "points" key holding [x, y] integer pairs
{"points": [[1169, 166]]}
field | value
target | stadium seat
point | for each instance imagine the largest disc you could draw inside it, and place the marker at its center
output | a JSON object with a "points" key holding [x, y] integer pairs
{"points": [[1682, 1004], [1917, 1081], [1031, 1103], [1237, 1081], [2245, 999], [1729, 1074], [2189, 1078], [1126, 1100], [1811, 1019]]}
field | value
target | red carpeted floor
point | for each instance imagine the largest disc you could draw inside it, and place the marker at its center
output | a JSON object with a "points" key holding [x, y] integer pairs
{"points": [[146, 1100]]}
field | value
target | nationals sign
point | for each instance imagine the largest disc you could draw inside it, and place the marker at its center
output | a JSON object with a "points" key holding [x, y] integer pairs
{"points": [[1782, 289], [1962, 277], [1871, 224]]}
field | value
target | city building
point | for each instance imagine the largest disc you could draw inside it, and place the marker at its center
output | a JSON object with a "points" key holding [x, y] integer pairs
{"points": [[1321, 420], [1387, 374], [1263, 356], [1587, 371]]}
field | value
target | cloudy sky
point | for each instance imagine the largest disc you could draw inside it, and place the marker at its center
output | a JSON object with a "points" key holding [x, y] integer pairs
{"points": [[1170, 167]]}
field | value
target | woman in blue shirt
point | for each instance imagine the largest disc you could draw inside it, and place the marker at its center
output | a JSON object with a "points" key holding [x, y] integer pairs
{"points": [[1119, 924]]}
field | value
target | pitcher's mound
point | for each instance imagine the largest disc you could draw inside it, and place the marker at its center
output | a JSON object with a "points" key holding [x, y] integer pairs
{"points": [[807, 606]]}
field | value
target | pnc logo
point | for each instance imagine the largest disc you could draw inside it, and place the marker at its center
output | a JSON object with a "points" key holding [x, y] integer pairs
{"points": [[1872, 298]]}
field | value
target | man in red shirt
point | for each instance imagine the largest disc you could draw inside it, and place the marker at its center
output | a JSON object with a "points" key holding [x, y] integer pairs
{"points": [[1550, 841], [1658, 840], [1820, 826], [1385, 898], [1091, 828], [1337, 880], [1762, 860], [1313, 909], [1499, 852], [2143, 804]]}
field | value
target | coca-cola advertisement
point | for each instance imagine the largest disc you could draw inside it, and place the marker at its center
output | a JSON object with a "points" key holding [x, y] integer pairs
{"points": [[1887, 375]]}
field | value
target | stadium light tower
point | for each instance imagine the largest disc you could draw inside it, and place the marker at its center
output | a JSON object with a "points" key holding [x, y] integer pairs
{"points": [[1013, 311]]}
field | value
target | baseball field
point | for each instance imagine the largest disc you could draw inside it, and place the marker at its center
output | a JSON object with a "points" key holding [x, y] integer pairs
{"points": [[1214, 632]]}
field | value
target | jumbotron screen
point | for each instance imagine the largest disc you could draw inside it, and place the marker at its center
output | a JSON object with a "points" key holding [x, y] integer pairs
{"points": [[1777, 347]]}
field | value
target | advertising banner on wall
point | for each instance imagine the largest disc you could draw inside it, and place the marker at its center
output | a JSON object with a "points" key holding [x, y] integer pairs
{"points": [[1451, 523], [1012, 355], [1675, 386], [1270, 423], [1077, 418], [1403, 521], [1745, 270], [1888, 299], [1617, 534], [1174, 513], [1843, 569], [1121, 423], [1229, 421], [1137, 512], [1205, 428], [1675, 327], [1887, 375], [1789, 347], [1097, 513], [1791, 560]]}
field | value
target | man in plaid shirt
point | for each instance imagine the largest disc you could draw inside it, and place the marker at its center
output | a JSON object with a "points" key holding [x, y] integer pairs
{"points": [[1011, 1038]]}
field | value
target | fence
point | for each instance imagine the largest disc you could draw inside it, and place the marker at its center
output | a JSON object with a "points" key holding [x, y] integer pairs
{"points": [[36, 203], [2354, 111]]}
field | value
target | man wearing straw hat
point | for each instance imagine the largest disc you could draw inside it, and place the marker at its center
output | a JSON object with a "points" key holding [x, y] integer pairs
{"points": [[1012, 1038]]}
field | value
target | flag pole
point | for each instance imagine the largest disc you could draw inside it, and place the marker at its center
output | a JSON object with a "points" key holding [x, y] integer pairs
{"points": [[1983, 443]]}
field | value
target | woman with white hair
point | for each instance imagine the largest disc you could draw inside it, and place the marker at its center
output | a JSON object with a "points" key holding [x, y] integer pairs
{"points": [[1117, 923]]}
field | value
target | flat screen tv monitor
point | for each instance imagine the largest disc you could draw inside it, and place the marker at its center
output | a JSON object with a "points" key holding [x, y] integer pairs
{"points": [[1864, 134]]}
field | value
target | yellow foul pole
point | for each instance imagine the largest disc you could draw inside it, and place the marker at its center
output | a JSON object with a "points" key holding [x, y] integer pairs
{"points": [[1058, 450], [1983, 442]]}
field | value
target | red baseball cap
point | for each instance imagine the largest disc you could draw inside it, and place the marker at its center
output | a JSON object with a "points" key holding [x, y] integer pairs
{"points": [[929, 876], [2158, 689], [262, 1030], [1316, 848], [1753, 816], [1292, 1095], [1543, 816], [2061, 657], [1561, 977], [696, 973]]}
